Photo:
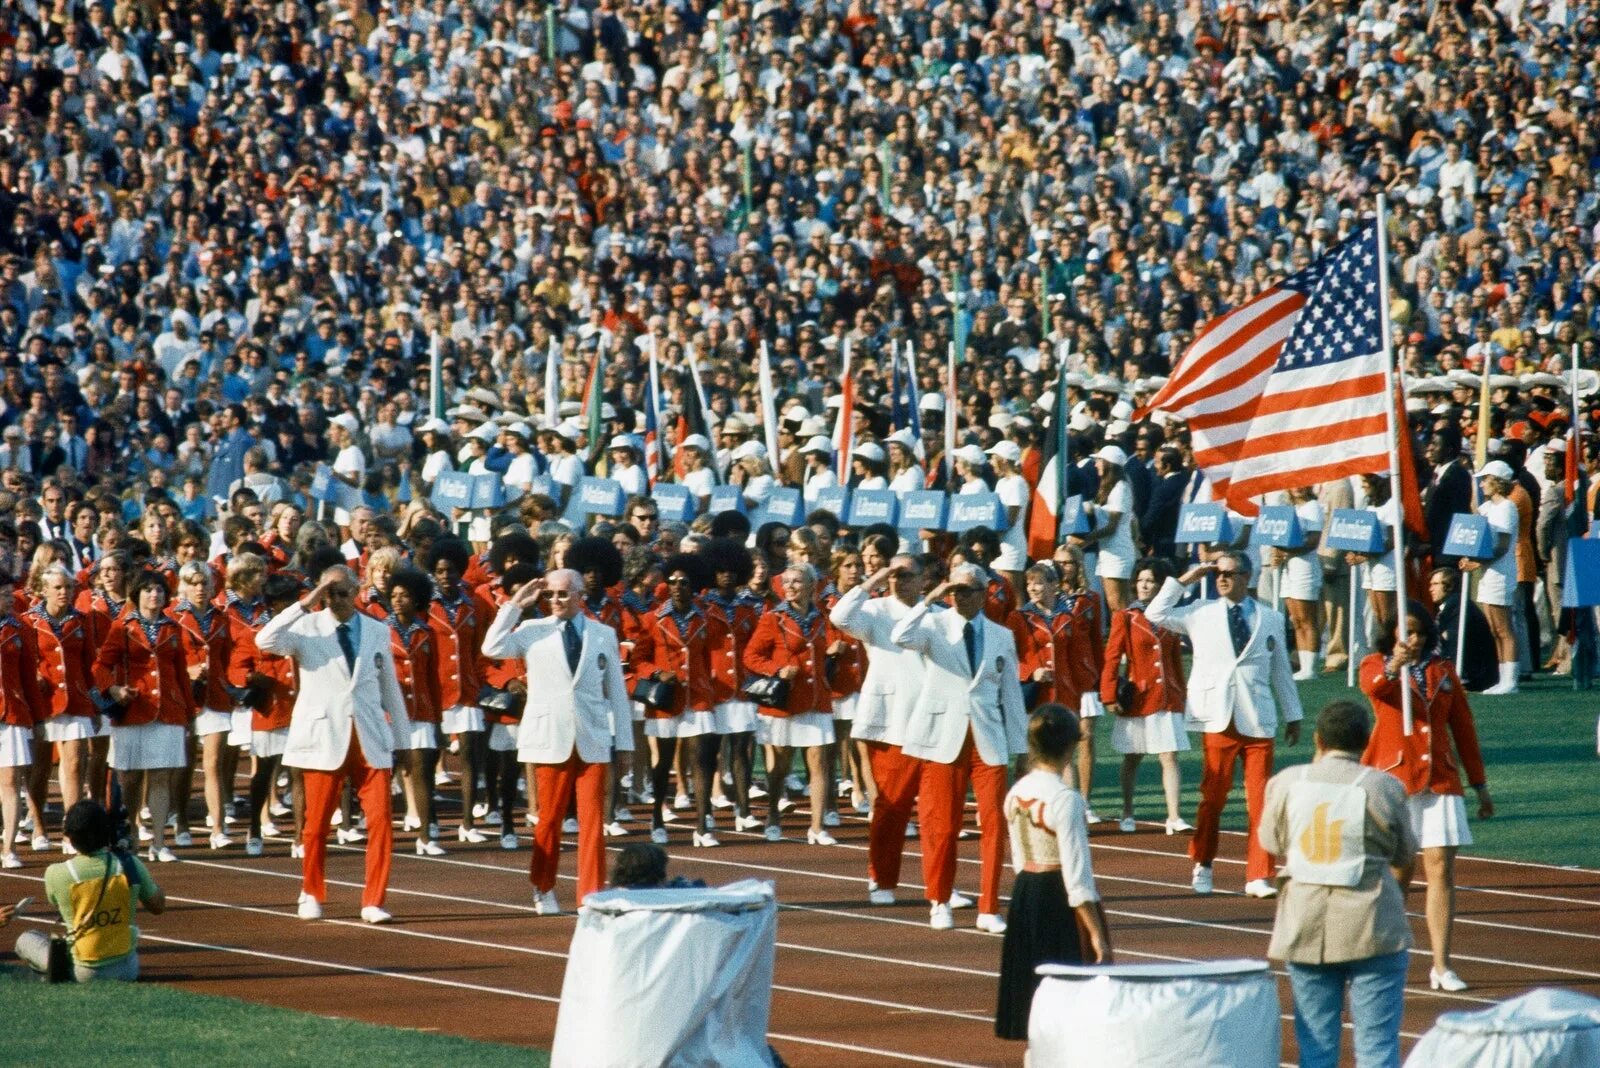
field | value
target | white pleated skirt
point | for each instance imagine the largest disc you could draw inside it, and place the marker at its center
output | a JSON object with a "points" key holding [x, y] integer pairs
{"points": [[16, 751], [148, 747], [461, 719], [423, 736], [68, 729], [844, 708], [688, 724], [503, 737], [1090, 706], [1301, 578], [1439, 820], [269, 743], [735, 717], [1159, 732], [795, 732], [243, 728], [211, 721]]}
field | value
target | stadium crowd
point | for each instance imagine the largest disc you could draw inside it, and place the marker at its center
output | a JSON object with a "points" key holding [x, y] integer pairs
{"points": [[234, 235]]}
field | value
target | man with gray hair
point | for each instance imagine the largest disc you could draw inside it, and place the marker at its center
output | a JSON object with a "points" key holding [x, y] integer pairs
{"points": [[1240, 682], [967, 724]]}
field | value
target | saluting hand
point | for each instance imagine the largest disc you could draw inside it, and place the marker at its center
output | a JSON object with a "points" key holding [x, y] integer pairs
{"points": [[879, 579], [1196, 573], [530, 592]]}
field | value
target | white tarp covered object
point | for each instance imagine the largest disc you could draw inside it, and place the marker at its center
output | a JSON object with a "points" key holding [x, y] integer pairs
{"points": [[1546, 1028], [1216, 1013], [679, 977]]}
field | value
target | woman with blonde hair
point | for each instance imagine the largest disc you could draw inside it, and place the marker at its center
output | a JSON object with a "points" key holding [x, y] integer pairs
{"points": [[206, 641], [66, 661]]}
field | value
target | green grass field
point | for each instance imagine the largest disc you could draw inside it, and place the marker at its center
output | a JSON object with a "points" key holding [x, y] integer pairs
{"points": [[1538, 746], [148, 1024]]}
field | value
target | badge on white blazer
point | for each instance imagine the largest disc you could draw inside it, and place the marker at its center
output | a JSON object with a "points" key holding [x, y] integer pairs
{"points": [[601, 660], [999, 665], [1272, 644]]}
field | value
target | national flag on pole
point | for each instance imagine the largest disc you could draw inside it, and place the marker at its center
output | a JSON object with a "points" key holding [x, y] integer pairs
{"points": [[593, 405], [692, 418], [1044, 515], [652, 419], [769, 411], [1289, 389], [950, 418], [897, 398], [844, 430]]}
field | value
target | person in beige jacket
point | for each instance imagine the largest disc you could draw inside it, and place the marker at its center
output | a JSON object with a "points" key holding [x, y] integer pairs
{"points": [[1341, 922]]}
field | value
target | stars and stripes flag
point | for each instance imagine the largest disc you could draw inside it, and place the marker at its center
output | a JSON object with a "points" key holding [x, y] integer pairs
{"points": [[1289, 389]]}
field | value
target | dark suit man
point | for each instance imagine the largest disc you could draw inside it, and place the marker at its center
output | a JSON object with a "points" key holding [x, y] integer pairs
{"points": [[1448, 492], [1159, 520]]}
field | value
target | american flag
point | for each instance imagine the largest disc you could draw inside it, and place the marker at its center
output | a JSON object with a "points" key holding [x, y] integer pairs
{"points": [[1288, 389]]}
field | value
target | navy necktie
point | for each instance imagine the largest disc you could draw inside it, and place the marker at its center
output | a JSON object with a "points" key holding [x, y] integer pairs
{"points": [[971, 637], [574, 645], [348, 646], [1237, 629]]}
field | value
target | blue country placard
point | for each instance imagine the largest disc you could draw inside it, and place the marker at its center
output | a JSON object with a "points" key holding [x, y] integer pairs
{"points": [[969, 510], [1354, 530], [725, 499], [783, 505], [873, 506], [1469, 536], [1204, 524], [1279, 527], [835, 499], [675, 503]]}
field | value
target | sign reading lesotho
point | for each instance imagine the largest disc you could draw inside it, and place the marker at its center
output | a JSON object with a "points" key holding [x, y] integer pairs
{"points": [[1469, 536], [872, 506], [675, 503], [725, 499], [835, 499], [1278, 527], [783, 505], [1203, 524], [923, 510], [968, 510], [1354, 530], [1074, 520]]}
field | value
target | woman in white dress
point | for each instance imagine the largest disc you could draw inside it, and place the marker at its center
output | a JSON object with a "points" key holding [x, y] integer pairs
{"points": [[1113, 527], [867, 464], [1497, 581], [1013, 491], [905, 474], [1300, 579], [1380, 580]]}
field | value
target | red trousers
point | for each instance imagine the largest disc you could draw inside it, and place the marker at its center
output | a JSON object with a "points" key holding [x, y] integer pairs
{"points": [[898, 777], [942, 804], [559, 786], [1221, 751], [322, 797]]}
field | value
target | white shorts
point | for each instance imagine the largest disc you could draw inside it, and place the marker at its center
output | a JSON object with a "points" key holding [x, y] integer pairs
{"points": [[461, 719], [1439, 820], [1113, 565], [1090, 707], [795, 732], [1159, 732], [422, 736], [1301, 578], [210, 721], [68, 729], [735, 717], [844, 708], [1380, 577], [1495, 588], [269, 743], [1010, 558], [148, 747], [688, 724], [16, 749]]}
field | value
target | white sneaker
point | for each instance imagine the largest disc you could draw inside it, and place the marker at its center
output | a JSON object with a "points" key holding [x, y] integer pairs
{"points": [[794, 783], [822, 838], [721, 802], [254, 847], [373, 914], [67, 848], [706, 841], [183, 840], [220, 841], [310, 907], [785, 804], [346, 837], [545, 904], [333, 821], [1260, 888], [480, 811], [1179, 826], [658, 835], [297, 852], [939, 917], [615, 830], [757, 792], [990, 923], [1201, 882], [746, 823], [876, 896], [569, 826], [773, 833], [269, 829], [682, 801], [1126, 825], [831, 819], [622, 815], [161, 854], [10, 860], [491, 818], [144, 834], [41, 843], [427, 847], [470, 834], [508, 842], [958, 900], [1091, 817]]}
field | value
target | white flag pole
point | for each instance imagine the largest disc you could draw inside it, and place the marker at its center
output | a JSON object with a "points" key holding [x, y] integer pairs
{"points": [[1574, 457], [1389, 376], [436, 379], [1350, 642], [552, 383], [950, 419]]}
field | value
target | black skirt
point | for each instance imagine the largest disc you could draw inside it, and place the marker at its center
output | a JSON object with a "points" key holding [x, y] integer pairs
{"points": [[1040, 929]]}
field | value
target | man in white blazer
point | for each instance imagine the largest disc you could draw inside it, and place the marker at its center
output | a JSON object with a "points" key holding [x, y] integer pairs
{"points": [[577, 712], [888, 694], [966, 724], [1240, 682], [349, 718]]}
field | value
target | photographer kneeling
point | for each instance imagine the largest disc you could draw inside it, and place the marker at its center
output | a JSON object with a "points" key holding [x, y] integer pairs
{"points": [[96, 892]]}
